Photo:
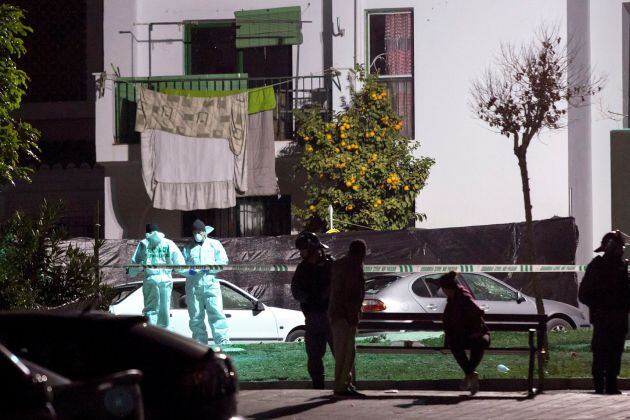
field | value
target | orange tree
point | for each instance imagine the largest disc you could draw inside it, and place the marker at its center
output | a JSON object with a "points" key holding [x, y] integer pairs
{"points": [[361, 164]]}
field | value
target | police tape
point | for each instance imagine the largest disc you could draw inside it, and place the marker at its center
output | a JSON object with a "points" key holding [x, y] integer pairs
{"points": [[393, 268]]}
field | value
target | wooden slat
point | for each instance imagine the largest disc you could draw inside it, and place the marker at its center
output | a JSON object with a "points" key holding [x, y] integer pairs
{"points": [[442, 350], [375, 326], [399, 326]]}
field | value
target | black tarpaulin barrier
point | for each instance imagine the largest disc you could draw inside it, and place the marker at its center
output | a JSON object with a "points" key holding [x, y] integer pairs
{"points": [[556, 242]]}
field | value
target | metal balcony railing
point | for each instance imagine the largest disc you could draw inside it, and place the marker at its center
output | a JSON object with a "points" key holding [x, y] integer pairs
{"points": [[291, 93]]}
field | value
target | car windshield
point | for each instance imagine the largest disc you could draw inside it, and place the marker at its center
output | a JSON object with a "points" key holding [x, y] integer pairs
{"points": [[377, 284]]}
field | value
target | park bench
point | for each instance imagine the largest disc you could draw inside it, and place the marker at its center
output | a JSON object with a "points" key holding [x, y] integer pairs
{"points": [[535, 325]]}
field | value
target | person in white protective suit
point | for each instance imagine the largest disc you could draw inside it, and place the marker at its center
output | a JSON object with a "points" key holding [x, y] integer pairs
{"points": [[157, 286], [203, 291]]}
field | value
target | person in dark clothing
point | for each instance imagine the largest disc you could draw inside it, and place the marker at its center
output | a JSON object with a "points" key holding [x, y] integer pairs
{"points": [[605, 289], [346, 297], [464, 328], [311, 287]]}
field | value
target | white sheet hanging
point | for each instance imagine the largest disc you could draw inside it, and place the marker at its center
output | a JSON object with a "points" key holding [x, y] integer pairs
{"points": [[188, 173]]}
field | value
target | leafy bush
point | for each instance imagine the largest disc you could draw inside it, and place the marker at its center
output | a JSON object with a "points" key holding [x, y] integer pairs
{"points": [[38, 271], [18, 139], [360, 163]]}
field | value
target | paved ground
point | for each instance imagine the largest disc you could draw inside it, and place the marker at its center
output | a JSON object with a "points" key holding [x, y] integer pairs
{"points": [[312, 404]]}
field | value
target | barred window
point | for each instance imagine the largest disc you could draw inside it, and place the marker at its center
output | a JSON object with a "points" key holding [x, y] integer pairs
{"points": [[390, 52]]}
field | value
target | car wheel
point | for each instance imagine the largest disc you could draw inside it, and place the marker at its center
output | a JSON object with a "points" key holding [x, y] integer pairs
{"points": [[558, 325], [296, 336]]}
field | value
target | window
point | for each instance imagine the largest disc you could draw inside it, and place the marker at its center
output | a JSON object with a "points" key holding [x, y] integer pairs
{"points": [[433, 284], [390, 54], [211, 49], [484, 288], [234, 300], [419, 288], [178, 297], [378, 284], [122, 292]]}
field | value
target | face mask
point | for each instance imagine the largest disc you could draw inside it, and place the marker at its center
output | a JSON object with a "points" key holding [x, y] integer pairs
{"points": [[198, 237], [153, 238]]}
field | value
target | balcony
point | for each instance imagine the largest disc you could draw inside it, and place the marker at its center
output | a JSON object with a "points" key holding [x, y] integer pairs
{"points": [[291, 93]]}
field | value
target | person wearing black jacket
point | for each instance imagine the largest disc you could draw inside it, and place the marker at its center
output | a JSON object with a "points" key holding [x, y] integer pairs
{"points": [[346, 297], [464, 328], [605, 289], [311, 287]]}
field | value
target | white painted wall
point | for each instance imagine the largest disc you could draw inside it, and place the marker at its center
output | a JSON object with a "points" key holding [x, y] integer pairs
{"points": [[475, 168], [476, 178], [168, 59]]}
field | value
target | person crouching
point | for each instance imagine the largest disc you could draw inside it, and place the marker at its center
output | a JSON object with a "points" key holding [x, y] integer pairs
{"points": [[464, 328]]}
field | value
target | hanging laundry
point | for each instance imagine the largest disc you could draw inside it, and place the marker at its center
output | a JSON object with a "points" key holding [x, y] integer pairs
{"points": [[188, 173], [260, 156], [260, 166], [220, 117], [258, 99]]}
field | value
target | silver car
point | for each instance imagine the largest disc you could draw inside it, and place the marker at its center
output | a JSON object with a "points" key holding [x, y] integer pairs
{"points": [[419, 292]]}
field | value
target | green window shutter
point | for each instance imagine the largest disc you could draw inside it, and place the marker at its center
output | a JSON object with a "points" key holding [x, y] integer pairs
{"points": [[268, 27]]}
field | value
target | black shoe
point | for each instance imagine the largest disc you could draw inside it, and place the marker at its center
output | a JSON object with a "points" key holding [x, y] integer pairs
{"points": [[598, 384], [356, 393], [611, 386], [318, 385]]}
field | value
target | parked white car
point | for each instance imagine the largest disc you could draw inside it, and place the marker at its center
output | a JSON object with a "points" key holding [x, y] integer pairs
{"points": [[249, 320]]}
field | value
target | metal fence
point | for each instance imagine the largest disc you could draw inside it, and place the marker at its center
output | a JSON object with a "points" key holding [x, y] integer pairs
{"points": [[292, 93], [252, 216]]}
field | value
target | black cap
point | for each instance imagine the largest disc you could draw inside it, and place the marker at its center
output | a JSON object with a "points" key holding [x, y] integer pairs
{"points": [[447, 281], [152, 227], [198, 226], [616, 235], [357, 248], [308, 240]]}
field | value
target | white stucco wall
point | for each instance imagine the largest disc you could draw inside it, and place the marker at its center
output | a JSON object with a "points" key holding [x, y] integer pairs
{"points": [[168, 58], [475, 179]]}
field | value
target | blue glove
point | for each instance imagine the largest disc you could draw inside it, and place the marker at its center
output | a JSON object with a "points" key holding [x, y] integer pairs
{"points": [[192, 272], [205, 271]]}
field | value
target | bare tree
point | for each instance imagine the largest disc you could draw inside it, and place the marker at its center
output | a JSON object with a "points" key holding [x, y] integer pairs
{"points": [[527, 92]]}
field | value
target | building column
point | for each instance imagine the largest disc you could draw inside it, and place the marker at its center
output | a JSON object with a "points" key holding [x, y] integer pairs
{"points": [[579, 130]]}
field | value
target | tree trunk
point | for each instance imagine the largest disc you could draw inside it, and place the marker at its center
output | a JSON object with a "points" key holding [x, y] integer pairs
{"points": [[530, 251]]}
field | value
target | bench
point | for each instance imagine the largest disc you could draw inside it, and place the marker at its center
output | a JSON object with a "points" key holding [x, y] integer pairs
{"points": [[535, 325]]}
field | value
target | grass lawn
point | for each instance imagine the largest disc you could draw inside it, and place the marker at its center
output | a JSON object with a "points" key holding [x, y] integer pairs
{"points": [[287, 361]]}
